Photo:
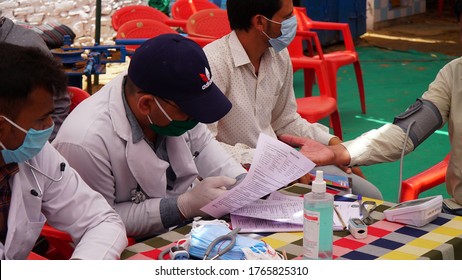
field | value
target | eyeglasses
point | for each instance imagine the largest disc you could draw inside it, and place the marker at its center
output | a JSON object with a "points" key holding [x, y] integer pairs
{"points": [[366, 208], [169, 102]]}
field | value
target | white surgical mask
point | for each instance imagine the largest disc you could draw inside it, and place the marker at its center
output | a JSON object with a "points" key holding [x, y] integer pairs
{"points": [[288, 30]]}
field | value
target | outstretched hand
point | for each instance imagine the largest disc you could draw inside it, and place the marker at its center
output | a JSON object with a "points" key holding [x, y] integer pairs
{"points": [[318, 153]]}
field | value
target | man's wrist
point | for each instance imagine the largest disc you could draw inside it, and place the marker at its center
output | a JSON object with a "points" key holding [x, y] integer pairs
{"points": [[342, 156]]}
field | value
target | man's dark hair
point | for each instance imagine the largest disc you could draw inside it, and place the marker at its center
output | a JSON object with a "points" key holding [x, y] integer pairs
{"points": [[458, 8], [240, 12], [22, 70]]}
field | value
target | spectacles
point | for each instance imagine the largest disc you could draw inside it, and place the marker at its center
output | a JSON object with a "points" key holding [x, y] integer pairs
{"points": [[366, 209], [169, 102]]}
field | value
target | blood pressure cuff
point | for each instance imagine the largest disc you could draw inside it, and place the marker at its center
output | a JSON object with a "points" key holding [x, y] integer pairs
{"points": [[426, 117]]}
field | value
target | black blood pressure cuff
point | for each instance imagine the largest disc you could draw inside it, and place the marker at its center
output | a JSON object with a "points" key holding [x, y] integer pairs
{"points": [[425, 118]]}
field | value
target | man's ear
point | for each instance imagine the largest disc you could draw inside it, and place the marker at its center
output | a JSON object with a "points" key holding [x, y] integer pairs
{"points": [[145, 104], [258, 22]]}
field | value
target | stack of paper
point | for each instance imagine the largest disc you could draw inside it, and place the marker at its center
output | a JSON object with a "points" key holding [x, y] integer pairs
{"points": [[283, 213]]}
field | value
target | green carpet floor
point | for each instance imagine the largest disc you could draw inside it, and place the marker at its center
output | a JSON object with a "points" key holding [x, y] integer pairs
{"points": [[393, 80]]}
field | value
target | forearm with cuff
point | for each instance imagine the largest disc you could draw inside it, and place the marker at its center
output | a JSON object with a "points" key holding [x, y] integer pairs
{"points": [[169, 212]]}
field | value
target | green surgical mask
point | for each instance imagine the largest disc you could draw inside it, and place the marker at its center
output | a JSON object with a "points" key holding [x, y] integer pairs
{"points": [[174, 128]]}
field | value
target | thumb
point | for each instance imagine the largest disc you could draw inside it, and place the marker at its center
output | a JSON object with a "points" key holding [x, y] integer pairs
{"points": [[292, 140], [220, 181]]}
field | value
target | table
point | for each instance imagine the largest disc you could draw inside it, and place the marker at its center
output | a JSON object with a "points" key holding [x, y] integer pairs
{"points": [[440, 239]]}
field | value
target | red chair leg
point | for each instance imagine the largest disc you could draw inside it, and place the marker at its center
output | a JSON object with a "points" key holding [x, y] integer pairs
{"points": [[309, 79], [336, 124], [359, 79], [440, 7]]}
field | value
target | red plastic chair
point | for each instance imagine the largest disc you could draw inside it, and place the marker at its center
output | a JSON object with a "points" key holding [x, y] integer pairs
{"points": [[335, 59], [137, 12], [432, 177], [35, 257], [209, 23], [77, 95], [142, 29], [135, 32], [182, 9], [61, 244], [314, 108]]}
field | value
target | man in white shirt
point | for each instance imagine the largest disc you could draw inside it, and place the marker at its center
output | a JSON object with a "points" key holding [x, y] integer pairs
{"points": [[36, 183], [252, 67]]}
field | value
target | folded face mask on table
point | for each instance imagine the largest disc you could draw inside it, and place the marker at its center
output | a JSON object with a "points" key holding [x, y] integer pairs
{"points": [[203, 233]]}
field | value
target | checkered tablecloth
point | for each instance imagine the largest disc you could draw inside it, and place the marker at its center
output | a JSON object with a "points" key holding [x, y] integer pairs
{"points": [[440, 239]]}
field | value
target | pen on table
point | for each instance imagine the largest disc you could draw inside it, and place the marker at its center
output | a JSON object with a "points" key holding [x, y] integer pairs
{"points": [[340, 218]]}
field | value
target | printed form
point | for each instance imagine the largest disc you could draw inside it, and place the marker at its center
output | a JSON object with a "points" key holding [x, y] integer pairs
{"points": [[275, 165], [285, 213], [278, 221]]}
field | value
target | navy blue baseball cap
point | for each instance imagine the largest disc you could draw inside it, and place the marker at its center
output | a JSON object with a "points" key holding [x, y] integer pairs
{"points": [[176, 68]]}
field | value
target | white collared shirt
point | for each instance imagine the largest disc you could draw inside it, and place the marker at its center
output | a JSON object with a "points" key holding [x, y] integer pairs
{"points": [[263, 103]]}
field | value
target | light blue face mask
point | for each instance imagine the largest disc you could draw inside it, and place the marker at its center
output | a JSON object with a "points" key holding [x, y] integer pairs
{"points": [[32, 145], [205, 232], [288, 30]]}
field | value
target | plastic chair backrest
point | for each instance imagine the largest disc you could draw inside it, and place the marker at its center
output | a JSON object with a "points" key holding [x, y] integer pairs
{"points": [[133, 12], [295, 48], [314, 108], [425, 180], [77, 96], [335, 59], [211, 23], [183, 9], [142, 29]]}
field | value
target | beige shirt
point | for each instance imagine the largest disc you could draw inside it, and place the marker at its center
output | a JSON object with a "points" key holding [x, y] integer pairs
{"points": [[385, 143], [263, 103]]}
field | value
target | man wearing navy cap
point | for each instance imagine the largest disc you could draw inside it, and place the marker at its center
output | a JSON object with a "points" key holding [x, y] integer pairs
{"points": [[141, 142]]}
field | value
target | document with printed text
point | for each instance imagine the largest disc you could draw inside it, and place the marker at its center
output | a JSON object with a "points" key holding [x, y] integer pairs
{"points": [[275, 165], [285, 213], [290, 211], [248, 224]]}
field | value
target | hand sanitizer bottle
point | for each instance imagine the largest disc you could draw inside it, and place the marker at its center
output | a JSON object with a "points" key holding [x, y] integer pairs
{"points": [[318, 221]]}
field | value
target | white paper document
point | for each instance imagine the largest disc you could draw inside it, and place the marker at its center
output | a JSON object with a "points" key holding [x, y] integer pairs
{"points": [[247, 224], [285, 213], [280, 196], [276, 210], [275, 165]]}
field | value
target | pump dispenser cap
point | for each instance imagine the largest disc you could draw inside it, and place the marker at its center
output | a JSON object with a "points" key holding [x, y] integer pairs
{"points": [[319, 185]]}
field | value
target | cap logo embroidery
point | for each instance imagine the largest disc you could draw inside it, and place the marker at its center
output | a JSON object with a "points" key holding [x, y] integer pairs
{"points": [[206, 78]]}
